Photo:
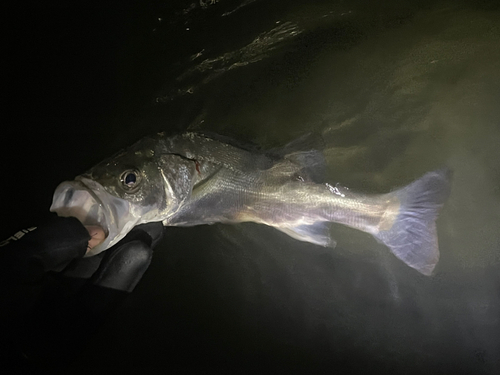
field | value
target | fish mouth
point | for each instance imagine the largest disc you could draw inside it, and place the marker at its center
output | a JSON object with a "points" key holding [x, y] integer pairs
{"points": [[91, 204]]}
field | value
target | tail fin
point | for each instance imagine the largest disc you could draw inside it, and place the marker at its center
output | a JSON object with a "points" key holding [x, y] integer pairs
{"points": [[412, 238]]}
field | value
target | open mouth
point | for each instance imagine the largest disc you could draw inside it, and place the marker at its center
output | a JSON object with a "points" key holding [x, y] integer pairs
{"points": [[90, 203], [77, 199]]}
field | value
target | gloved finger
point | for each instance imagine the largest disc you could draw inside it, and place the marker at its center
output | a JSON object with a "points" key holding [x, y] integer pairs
{"points": [[84, 268], [149, 233], [123, 266], [155, 230], [51, 247]]}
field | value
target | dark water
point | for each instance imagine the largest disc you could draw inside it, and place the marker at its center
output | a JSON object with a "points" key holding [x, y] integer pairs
{"points": [[395, 89]]}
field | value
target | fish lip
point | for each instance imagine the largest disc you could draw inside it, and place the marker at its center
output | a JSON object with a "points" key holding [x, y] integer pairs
{"points": [[106, 213]]}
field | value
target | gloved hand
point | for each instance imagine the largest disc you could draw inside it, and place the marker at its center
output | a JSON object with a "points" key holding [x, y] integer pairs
{"points": [[81, 292], [30, 253], [60, 244], [123, 265]]}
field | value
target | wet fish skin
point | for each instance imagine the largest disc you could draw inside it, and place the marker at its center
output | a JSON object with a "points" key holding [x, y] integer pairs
{"points": [[193, 179]]}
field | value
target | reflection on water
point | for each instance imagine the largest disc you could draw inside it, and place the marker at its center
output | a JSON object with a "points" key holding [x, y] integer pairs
{"points": [[395, 91], [211, 68]]}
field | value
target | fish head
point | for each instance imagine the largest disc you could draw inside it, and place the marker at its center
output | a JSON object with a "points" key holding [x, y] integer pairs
{"points": [[116, 194]]}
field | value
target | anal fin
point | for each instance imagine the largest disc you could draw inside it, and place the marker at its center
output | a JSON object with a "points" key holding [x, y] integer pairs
{"points": [[317, 233]]}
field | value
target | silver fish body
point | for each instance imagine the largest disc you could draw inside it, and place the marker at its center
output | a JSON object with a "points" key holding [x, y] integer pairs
{"points": [[193, 179]]}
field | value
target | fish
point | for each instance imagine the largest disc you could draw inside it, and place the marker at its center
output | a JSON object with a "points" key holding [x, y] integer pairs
{"points": [[195, 178]]}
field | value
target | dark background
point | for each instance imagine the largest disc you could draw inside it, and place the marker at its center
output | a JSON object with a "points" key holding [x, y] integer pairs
{"points": [[84, 81]]}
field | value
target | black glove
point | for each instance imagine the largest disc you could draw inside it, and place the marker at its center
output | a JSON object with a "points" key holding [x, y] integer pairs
{"points": [[50, 247], [77, 299], [60, 244], [121, 266]]}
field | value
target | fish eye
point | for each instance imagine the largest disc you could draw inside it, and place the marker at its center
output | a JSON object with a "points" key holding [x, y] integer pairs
{"points": [[130, 180]]}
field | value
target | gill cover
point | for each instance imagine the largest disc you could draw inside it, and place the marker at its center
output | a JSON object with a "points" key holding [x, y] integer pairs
{"points": [[179, 176]]}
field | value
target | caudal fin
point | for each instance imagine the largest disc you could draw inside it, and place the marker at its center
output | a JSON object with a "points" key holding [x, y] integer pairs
{"points": [[412, 237]]}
